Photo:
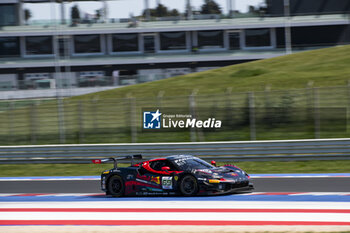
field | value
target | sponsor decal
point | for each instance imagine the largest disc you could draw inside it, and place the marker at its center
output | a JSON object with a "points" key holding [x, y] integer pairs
{"points": [[144, 181], [155, 179], [213, 181], [167, 182], [205, 171], [130, 177], [176, 178], [182, 161], [154, 189], [106, 172], [143, 177]]}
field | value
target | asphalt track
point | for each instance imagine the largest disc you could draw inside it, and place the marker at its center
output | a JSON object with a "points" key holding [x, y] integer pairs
{"points": [[324, 184]]}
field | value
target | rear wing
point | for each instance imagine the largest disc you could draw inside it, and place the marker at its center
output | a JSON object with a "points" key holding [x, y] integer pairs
{"points": [[116, 159]]}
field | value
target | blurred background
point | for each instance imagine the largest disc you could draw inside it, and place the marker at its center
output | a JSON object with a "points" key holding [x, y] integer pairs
{"points": [[63, 63]]}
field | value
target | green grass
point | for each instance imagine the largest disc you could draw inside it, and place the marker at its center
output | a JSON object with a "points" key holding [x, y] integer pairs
{"points": [[324, 68], [106, 117], [250, 167]]}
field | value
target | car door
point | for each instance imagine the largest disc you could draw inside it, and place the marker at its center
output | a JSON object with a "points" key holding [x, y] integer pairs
{"points": [[156, 174]]}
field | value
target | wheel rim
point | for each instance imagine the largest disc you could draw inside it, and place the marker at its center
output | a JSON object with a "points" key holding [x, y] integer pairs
{"points": [[116, 186], [188, 185]]}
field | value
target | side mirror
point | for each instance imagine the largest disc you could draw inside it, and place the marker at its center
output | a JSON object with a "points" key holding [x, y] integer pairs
{"points": [[213, 163], [165, 168]]}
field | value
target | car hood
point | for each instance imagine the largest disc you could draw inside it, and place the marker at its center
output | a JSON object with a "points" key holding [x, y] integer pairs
{"points": [[226, 172]]}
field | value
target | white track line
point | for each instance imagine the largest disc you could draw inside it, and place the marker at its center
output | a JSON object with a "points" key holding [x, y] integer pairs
{"points": [[182, 204], [317, 217]]}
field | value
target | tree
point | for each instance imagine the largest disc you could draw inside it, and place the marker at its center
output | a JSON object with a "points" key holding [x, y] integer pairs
{"points": [[75, 14], [252, 9], [174, 12], [257, 10], [27, 14], [98, 14], [161, 10], [210, 7]]}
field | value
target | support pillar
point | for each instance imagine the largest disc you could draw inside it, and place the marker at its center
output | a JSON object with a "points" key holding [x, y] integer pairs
{"points": [[189, 9], [229, 8], [63, 13], [287, 28], [20, 13], [148, 12], [105, 11]]}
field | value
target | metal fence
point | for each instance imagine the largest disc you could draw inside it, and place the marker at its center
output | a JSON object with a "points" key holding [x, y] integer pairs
{"points": [[265, 115], [281, 150]]}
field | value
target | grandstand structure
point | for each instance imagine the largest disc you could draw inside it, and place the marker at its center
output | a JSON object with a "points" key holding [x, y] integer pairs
{"points": [[115, 52]]}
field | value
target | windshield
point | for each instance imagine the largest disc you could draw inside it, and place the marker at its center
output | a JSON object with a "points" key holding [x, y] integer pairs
{"points": [[192, 163]]}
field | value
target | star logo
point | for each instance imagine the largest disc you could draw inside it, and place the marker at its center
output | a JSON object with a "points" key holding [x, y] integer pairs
{"points": [[156, 115], [152, 120]]}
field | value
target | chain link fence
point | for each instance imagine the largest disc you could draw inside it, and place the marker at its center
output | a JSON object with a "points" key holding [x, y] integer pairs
{"points": [[288, 114]]}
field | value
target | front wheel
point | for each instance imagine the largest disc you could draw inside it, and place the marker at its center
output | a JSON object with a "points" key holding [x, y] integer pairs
{"points": [[116, 186], [188, 185]]}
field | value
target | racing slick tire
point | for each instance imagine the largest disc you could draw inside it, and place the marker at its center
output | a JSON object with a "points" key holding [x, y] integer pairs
{"points": [[116, 186], [188, 185]]}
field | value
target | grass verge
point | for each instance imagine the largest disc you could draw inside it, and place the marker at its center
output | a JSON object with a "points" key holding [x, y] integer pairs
{"points": [[115, 116], [250, 167], [323, 67]]}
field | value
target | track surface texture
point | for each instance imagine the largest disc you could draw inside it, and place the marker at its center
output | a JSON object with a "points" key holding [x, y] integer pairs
{"points": [[324, 184], [280, 202]]}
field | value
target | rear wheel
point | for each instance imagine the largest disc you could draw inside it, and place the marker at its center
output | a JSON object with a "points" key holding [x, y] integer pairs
{"points": [[116, 186], [188, 185]]}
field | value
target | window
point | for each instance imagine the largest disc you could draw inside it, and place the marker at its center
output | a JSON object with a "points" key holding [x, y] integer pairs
{"points": [[9, 47], [172, 40], [234, 40], [192, 163], [149, 43], [210, 39], [39, 45], [8, 15], [257, 37], [125, 42], [158, 164], [87, 44]]}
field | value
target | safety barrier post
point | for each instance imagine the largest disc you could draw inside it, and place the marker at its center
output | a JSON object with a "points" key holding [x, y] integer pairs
{"points": [[81, 121], [317, 113], [252, 126], [10, 119], [94, 111], [133, 121], [192, 105], [33, 123], [61, 125]]}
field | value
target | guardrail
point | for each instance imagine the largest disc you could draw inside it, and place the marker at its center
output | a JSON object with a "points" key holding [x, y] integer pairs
{"points": [[279, 150]]}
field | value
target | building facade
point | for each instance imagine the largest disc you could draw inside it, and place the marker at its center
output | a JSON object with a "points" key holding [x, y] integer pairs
{"points": [[308, 7], [123, 53]]}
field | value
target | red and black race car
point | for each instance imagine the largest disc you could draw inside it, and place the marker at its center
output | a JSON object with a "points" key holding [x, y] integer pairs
{"points": [[174, 175]]}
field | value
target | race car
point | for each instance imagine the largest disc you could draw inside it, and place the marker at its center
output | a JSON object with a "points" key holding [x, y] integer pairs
{"points": [[184, 175]]}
